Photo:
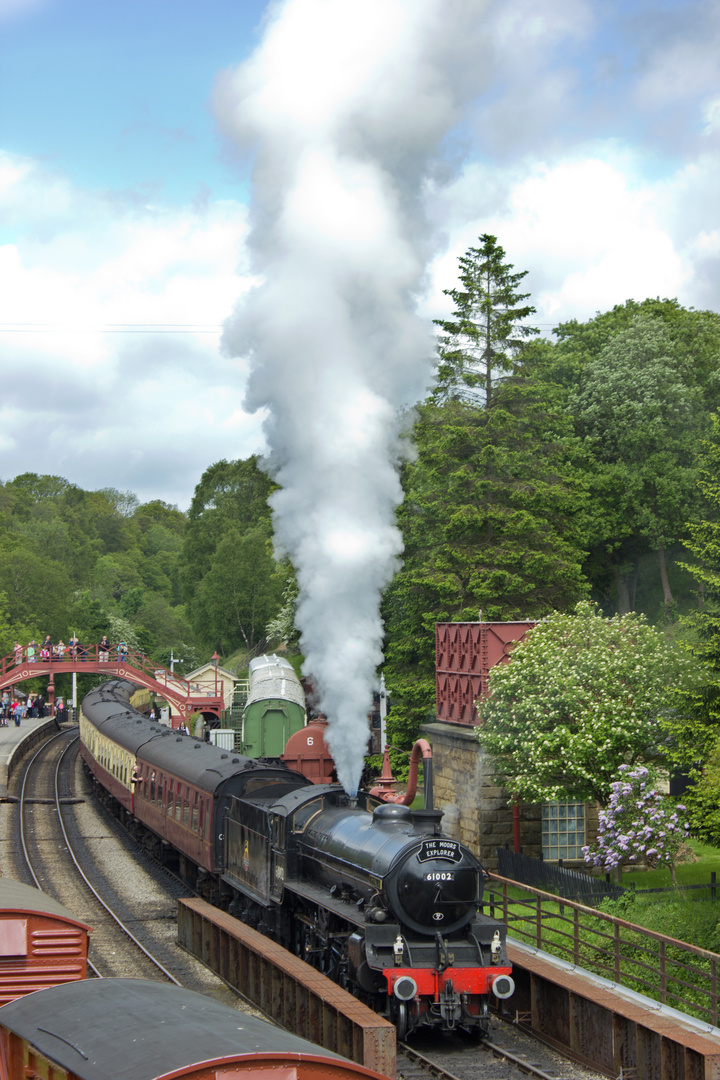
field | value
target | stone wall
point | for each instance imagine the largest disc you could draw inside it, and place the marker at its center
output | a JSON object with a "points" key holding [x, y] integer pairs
{"points": [[477, 811]]}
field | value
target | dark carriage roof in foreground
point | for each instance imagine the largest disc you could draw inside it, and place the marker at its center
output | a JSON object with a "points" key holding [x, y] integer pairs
{"points": [[135, 1029]]}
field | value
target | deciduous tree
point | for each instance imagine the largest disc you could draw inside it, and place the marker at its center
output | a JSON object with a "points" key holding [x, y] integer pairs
{"points": [[694, 732], [241, 590], [642, 420], [581, 696]]}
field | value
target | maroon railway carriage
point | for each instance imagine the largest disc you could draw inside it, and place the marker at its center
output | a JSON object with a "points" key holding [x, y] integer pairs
{"points": [[178, 787], [41, 942]]}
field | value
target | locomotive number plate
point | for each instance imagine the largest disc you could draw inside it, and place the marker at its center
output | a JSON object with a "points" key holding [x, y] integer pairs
{"points": [[440, 849]]}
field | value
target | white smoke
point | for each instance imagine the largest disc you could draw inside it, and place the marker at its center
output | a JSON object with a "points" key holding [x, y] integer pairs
{"points": [[345, 103]]}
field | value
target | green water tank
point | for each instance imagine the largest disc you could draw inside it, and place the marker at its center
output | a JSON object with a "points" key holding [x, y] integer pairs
{"points": [[275, 707]]}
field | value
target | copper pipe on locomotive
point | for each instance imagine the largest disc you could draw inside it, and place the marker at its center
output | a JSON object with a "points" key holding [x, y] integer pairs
{"points": [[386, 782]]}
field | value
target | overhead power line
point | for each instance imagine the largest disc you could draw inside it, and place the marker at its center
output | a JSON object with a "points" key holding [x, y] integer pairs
{"points": [[109, 328]]}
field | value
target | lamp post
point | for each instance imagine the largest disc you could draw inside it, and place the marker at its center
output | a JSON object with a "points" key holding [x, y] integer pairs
{"points": [[383, 712], [74, 678]]}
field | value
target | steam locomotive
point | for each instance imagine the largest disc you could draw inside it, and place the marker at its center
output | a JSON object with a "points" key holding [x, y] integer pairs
{"points": [[371, 893]]}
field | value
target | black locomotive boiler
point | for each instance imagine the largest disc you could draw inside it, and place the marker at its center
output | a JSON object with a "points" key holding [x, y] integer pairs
{"points": [[371, 893]]}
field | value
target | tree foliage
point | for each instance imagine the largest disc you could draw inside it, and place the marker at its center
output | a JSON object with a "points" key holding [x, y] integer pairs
{"points": [[241, 591], [229, 503], [87, 561], [492, 521], [640, 381], [581, 696], [641, 419], [480, 344], [695, 731], [640, 825]]}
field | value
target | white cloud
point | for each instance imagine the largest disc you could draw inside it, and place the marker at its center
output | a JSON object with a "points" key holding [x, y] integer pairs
{"points": [[591, 230], [90, 392]]}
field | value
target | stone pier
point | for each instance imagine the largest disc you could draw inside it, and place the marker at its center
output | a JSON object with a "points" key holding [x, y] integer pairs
{"points": [[477, 811]]}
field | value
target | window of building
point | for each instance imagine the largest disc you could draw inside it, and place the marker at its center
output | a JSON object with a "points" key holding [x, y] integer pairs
{"points": [[563, 830]]}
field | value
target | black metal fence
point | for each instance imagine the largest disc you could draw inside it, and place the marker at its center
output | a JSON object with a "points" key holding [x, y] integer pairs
{"points": [[570, 884]]}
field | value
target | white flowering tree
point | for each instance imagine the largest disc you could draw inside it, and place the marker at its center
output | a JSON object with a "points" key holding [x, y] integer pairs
{"points": [[581, 696], [640, 825]]}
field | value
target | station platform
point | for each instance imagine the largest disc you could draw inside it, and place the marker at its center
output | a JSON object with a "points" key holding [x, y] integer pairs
{"points": [[32, 729]]}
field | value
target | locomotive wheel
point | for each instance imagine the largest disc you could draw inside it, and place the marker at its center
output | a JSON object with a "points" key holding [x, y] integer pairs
{"points": [[401, 1019]]}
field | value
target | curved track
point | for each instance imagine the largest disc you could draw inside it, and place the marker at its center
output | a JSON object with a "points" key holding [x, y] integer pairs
{"points": [[55, 854], [80, 854]]}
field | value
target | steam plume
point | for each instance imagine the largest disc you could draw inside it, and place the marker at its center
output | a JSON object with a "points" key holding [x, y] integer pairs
{"points": [[345, 103]]}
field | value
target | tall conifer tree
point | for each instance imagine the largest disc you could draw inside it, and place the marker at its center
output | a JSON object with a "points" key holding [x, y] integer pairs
{"points": [[493, 516], [483, 340]]}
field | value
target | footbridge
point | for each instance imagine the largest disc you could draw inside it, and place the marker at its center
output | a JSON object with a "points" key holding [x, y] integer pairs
{"points": [[204, 696]]}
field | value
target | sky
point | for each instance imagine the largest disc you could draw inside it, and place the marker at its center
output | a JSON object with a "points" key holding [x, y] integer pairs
{"points": [[586, 138]]}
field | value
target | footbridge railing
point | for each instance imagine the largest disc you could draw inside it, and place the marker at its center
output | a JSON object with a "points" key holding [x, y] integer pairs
{"points": [[205, 695]]}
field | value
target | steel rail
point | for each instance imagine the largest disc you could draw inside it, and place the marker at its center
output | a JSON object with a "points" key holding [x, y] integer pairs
{"points": [[28, 862], [26, 855], [487, 1045], [91, 887]]}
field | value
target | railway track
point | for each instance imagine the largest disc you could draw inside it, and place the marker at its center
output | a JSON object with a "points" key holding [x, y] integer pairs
{"points": [[43, 832], [486, 1060], [77, 852], [73, 851]]}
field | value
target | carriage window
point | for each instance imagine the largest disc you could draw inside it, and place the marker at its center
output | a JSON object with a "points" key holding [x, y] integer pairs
{"points": [[152, 787], [178, 804], [186, 809], [195, 813], [170, 796]]}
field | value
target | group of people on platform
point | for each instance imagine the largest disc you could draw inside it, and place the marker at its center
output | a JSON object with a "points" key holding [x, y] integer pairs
{"points": [[16, 708], [33, 653]]}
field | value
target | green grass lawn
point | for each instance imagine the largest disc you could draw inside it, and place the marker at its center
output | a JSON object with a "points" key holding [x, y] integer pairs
{"points": [[696, 872], [689, 916]]}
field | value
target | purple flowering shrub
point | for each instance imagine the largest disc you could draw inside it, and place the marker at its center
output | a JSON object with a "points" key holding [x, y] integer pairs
{"points": [[640, 825]]}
